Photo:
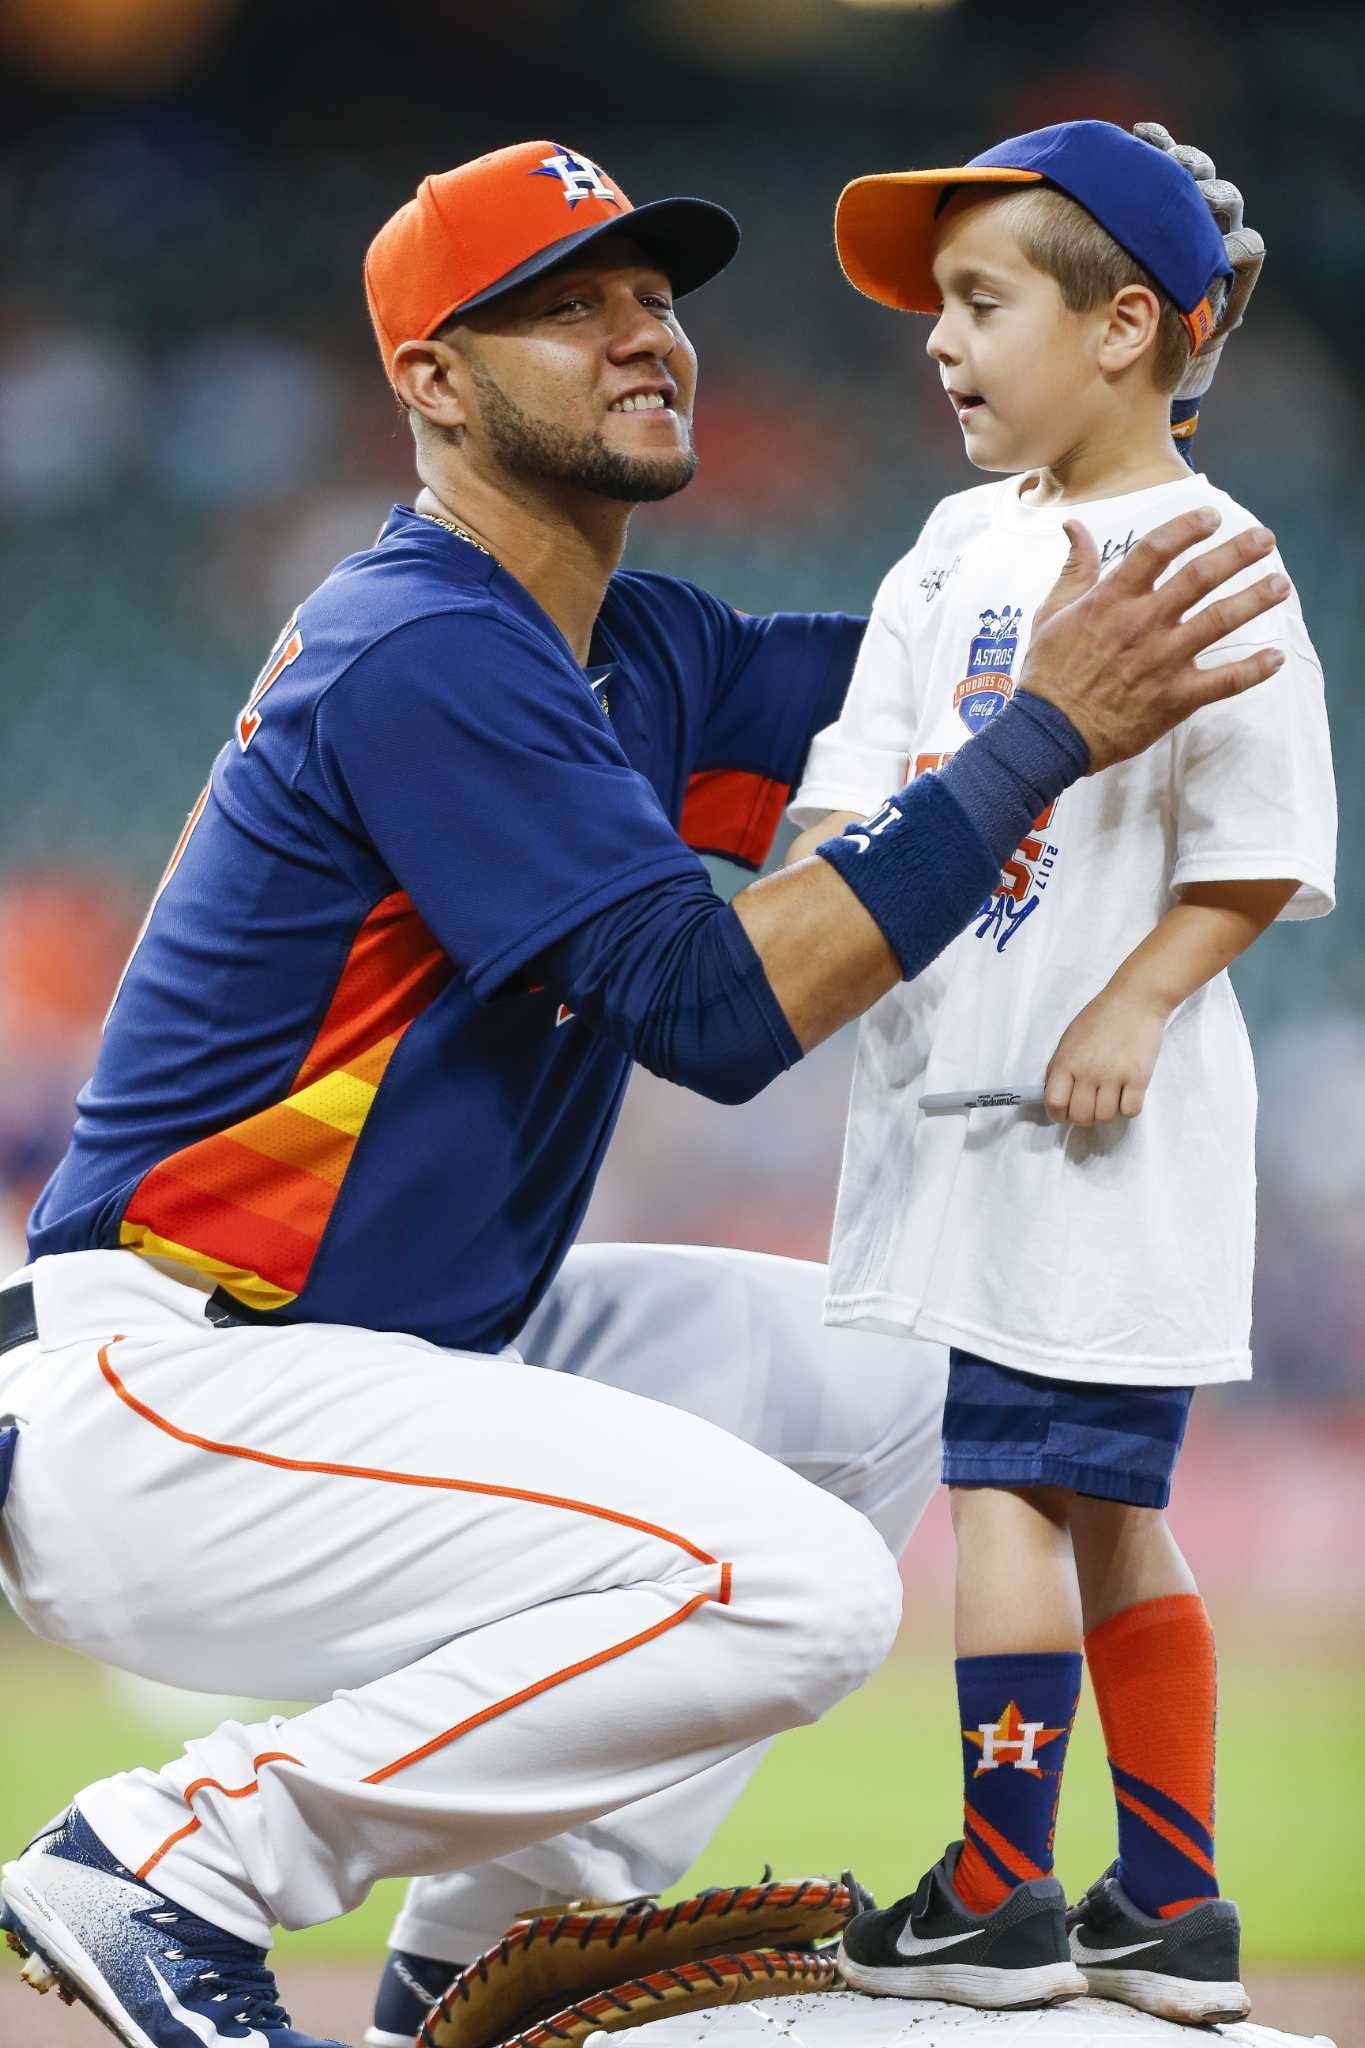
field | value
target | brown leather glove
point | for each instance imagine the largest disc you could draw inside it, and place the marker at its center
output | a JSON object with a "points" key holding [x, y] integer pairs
{"points": [[558, 1978]]}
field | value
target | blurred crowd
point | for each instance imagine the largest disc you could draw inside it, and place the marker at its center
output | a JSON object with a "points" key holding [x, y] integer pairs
{"points": [[193, 428]]}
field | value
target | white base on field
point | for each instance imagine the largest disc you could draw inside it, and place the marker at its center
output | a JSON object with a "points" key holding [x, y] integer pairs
{"points": [[846, 2019]]}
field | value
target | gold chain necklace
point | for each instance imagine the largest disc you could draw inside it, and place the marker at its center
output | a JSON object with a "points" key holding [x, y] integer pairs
{"points": [[460, 532]]}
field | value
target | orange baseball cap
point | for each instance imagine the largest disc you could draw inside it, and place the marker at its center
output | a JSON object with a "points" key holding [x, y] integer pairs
{"points": [[474, 232]]}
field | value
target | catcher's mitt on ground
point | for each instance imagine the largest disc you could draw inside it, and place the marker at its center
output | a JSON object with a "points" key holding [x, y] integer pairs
{"points": [[557, 1978]]}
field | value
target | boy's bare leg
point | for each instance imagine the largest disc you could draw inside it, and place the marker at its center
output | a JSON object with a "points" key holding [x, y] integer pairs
{"points": [[1123, 1555], [1016, 1587]]}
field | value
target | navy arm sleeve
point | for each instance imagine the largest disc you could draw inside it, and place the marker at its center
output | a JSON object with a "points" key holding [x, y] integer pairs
{"points": [[669, 976]]}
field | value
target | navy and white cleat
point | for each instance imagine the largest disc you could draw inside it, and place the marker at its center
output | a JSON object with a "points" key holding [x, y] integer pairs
{"points": [[408, 1989], [157, 1976]]}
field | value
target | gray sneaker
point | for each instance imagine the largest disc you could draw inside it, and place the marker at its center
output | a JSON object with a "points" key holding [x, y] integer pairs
{"points": [[1186, 1968], [931, 1946]]}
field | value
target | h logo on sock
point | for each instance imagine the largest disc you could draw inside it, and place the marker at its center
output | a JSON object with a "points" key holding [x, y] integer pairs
{"points": [[1010, 1733]]}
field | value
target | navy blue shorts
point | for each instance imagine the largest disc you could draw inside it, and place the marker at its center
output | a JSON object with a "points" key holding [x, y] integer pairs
{"points": [[1007, 1428]]}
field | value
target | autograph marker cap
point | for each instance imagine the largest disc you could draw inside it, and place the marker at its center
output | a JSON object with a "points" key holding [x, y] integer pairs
{"points": [[1150, 204], [476, 231]]}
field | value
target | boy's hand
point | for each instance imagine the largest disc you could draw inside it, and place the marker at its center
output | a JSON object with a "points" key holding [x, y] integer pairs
{"points": [[1105, 1059]]}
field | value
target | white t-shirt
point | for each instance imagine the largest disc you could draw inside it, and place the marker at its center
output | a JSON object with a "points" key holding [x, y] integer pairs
{"points": [[1116, 1251]]}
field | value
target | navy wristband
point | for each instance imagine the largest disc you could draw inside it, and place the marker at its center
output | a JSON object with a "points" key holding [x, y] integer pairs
{"points": [[925, 863], [1014, 768]]}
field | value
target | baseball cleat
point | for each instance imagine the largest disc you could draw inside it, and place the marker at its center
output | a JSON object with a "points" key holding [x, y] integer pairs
{"points": [[1186, 1968], [408, 1989], [157, 1976], [931, 1946]]}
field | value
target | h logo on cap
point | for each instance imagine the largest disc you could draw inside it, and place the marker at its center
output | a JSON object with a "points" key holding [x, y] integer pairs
{"points": [[579, 177]]}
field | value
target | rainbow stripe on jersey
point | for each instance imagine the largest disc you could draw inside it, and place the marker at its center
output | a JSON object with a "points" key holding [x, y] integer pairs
{"points": [[248, 1206]]}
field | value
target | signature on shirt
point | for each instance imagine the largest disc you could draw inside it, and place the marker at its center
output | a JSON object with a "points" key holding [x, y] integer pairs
{"points": [[1115, 550], [933, 581]]}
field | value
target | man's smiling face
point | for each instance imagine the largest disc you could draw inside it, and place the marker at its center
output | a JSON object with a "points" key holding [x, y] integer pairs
{"points": [[583, 376]]}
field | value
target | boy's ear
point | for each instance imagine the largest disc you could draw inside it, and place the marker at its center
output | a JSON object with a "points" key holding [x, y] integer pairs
{"points": [[1130, 331]]}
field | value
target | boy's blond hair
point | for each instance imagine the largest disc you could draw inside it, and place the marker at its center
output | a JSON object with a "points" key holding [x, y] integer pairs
{"points": [[1061, 239]]}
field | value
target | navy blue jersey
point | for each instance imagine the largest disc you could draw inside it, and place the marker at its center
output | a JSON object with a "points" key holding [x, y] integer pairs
{"points": [[329, 1080]]}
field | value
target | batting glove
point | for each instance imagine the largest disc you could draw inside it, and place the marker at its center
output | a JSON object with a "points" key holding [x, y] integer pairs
{"points": [[1246, 254]]}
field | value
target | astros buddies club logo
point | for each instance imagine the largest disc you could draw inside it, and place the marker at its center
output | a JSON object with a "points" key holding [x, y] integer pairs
{"points": [[981, 696], [988, 684]]}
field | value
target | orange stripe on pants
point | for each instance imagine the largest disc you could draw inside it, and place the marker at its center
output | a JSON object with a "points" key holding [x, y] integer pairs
{"points": [[485, 1714]]}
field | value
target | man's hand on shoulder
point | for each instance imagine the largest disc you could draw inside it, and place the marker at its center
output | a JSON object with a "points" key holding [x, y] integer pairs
{"points": [[1117, 655]]}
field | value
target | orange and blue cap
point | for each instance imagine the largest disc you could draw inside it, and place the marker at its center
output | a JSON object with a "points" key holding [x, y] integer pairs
{"points": [[1149, 203], [476, 231]]}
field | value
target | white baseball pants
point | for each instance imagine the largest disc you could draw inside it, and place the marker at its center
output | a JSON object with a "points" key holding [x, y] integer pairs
{"points": [[529, 1599], [737, 1338]]}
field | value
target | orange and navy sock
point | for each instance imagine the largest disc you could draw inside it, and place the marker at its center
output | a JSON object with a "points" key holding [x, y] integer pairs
{"points": [[1155, 1680], [1016, 1715]]}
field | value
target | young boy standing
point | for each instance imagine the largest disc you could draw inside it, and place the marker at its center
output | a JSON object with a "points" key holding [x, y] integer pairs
{"points": [[1088, 1261]]}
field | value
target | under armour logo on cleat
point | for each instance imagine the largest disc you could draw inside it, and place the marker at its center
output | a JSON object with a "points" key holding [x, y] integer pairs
{"points": [[199, 2024]]}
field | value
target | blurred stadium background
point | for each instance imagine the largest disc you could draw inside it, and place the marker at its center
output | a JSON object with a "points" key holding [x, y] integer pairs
{"points": [[193, 428]]}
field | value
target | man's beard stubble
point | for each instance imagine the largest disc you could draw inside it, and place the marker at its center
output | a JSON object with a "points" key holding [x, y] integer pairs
{"points": [[545, 453]]}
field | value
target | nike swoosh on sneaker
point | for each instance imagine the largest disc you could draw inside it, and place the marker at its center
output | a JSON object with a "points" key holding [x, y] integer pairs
{"points": [[198, 2023], [908, 1944], [1082, 1953]]}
